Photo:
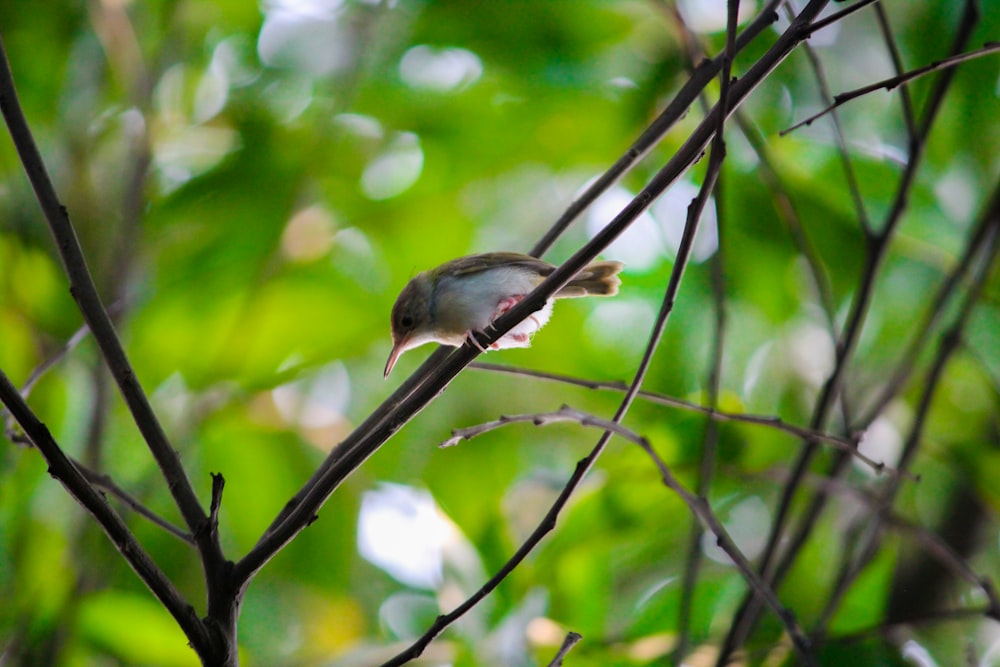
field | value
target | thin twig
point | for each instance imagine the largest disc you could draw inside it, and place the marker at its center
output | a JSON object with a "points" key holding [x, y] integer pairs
{"points": [[39, 371], [698, 506], [91, 500], [96, 316], [674, 111], [105, 482], [571, 640], [895, 81], [563, 414], [838, 134], [839, 16], [745, 616], [909, 117], [847, 445]]}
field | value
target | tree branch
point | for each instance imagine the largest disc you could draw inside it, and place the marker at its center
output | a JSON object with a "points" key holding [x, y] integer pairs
{"points": [[430, 380], [878, 246], [895, 81], [87, 496], [699, 506], [85, 293], [571, 640]]}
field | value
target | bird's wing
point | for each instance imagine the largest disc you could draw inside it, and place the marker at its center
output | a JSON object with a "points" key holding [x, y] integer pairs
{"points": [[491, 260]]}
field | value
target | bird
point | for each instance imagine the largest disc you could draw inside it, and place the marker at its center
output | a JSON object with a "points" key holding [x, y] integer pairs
{"points": [[449, 303]]}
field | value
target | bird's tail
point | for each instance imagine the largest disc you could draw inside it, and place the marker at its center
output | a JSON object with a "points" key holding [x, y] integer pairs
{"points": [[597, 279]]}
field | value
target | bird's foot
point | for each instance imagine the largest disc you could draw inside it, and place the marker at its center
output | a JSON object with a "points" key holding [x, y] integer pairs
{"points": [[504, 305], [470, 336]]}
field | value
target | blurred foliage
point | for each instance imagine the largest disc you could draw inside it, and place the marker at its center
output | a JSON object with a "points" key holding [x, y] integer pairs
{"points": [[254, 184]]}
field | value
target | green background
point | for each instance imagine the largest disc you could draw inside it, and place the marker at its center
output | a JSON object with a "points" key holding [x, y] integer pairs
{"points": [[254, 184]]}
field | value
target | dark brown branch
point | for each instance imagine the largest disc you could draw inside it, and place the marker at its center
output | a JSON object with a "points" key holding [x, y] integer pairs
{"points": [[675, 110], [846, 445], [571, 640], [878, 245], [103, 481], [85, 293], [91, 500], [895, 81], [430, 380]]}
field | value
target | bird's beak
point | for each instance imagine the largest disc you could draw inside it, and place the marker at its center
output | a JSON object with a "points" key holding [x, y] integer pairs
{"points": [[398, 347]]}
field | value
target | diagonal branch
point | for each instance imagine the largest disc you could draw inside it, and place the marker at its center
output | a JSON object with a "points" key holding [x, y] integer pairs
{"points": [[95, 315], [847, 445], [91, 500], [430, 380], [895, 81], [571, 640], [104, 481], [897, 63], [878, 246], [698, 505], [703, 75]]}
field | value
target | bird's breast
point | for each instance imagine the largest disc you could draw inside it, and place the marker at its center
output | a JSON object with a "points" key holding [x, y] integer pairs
{"points": [[469, 302]]}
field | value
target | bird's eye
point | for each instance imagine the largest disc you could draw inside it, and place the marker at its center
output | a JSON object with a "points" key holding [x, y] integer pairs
{"points": [[406, 321]]}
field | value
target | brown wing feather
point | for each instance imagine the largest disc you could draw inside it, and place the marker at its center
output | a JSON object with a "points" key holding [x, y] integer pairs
{"points": [[489, 260], [596, 279]]}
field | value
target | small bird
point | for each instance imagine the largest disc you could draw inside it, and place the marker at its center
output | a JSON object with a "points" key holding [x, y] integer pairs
{"points": [[447, 304]]}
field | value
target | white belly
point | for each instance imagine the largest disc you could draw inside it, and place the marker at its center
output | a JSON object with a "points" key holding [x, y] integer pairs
{"points": [[469, 303]]}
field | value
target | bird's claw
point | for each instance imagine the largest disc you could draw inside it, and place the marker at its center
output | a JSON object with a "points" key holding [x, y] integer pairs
{"points": [[470, 336]]}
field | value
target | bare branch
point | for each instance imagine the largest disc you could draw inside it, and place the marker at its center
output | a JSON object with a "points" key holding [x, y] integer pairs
{"points": [[838, 134], [563, 414], [571, 640], [878, 246], [846, 445], [895, 81], [441, 368], [85, 293], [839, 16], [698, 506], [652, 135], [88, 497], [909, 117], [103, 481]]}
